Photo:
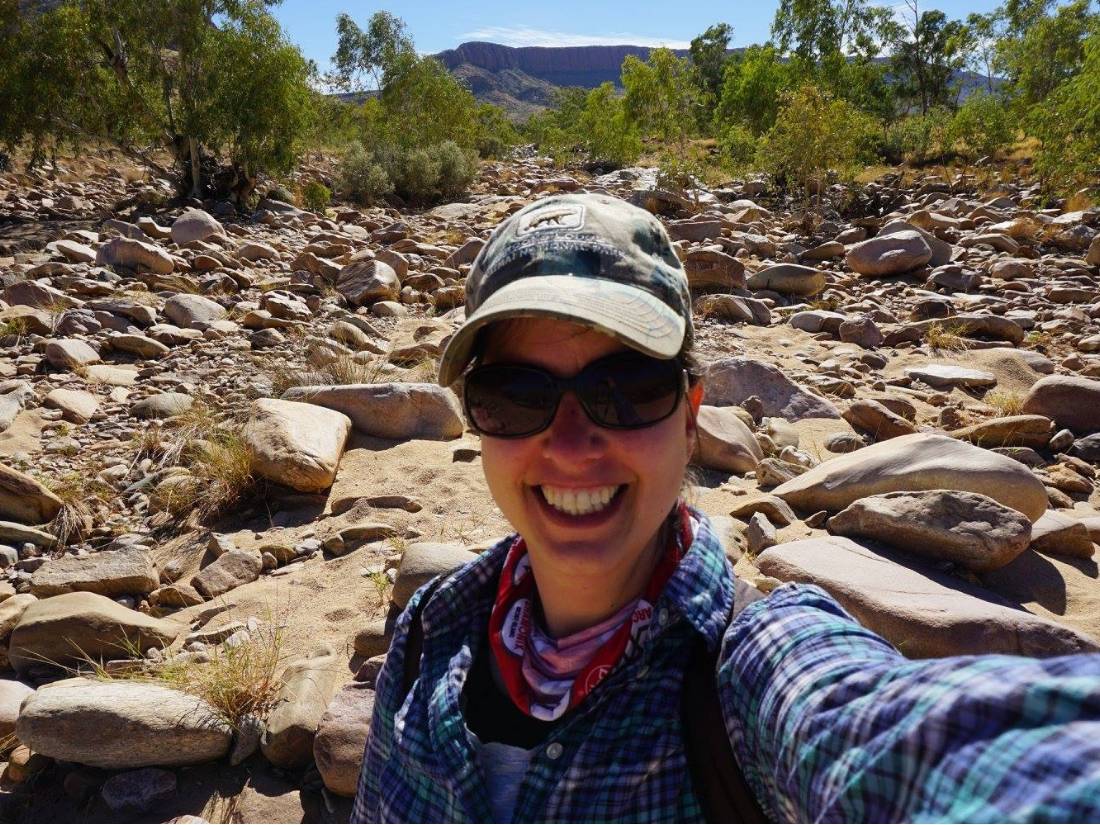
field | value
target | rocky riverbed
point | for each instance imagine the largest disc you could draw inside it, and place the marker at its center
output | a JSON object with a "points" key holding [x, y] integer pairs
{"points": [[220, 442]]}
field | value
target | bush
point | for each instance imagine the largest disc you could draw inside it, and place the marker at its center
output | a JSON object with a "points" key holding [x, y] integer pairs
{"points": [[608, 135], [457, 169], [920, 139], [738, 146], [362, 178], [496, 135], [316, 196], [983, 125]]}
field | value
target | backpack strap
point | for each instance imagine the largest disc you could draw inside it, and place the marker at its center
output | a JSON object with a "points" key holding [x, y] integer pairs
{"points": [[414, 642], [716, 776]]}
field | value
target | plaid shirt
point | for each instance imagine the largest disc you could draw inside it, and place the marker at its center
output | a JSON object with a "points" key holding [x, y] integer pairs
{"points": [[828, 721]]}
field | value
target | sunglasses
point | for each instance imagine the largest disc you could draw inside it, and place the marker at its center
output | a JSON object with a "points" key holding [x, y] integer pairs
{"points": [[626, 391]]}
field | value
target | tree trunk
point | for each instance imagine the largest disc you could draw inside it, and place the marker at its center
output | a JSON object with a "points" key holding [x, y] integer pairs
{"points": [[196, 168]]}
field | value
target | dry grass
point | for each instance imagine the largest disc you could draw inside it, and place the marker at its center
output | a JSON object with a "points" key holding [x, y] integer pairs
{"points": [[382, 587], [1005, 403], [13, 326], [1039, 339], [1079, 201], [79, 493], [946, 337], [341, 370]]}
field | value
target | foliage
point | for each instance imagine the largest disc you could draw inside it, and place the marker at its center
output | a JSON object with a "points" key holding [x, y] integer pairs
{"points": [[660, 96], [610, 138], [920, 139], [316, 196], [983, 124], [814, 132], [708, 61], [815, 29], [738, 146], [1043, 50], [752, 87], [927, 51], [495, 133], [374, 54]]}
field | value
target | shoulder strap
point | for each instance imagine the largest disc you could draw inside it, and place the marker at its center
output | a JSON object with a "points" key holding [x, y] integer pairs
{"points": [[715, 773], [414, 642]]}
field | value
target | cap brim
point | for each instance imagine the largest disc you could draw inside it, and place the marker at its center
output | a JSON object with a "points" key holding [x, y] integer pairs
{"points": [[637, 318]]}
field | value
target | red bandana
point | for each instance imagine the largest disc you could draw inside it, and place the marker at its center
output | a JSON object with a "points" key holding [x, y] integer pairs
{"points": [[547, 677]]}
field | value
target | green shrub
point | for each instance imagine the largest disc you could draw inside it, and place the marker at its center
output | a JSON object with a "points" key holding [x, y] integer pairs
{"points": [[362, 178], [738, 146], [608, 135], [983, 125], [457, 169], [496, 134], [280, 193], [316, 196], [920, 139]]}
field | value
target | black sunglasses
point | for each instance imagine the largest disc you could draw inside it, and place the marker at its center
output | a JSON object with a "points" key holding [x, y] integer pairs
{"points": [[625, 391]]}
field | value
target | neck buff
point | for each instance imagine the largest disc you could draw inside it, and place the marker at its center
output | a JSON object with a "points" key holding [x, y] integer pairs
{"points": [[547, 677]]}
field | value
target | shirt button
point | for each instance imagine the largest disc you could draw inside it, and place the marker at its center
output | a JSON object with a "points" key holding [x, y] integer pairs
{"points": [[662, 617], [554, 750]]}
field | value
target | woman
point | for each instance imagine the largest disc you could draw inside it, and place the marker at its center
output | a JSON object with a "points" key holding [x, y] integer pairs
{"points": [[544, 681]]}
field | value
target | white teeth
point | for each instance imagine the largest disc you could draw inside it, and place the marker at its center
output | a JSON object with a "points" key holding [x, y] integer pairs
{"points": [[578, 502]]}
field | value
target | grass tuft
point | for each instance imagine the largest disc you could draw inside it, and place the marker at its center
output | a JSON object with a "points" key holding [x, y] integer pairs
{"points": [[1005, 403], [946, 337]]}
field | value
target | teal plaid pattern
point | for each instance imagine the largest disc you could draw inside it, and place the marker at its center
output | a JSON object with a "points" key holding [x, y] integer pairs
{"points": [[828, 721]]}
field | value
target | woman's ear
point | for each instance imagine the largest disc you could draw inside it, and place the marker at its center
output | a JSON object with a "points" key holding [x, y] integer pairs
{"points": [[694, 399]]}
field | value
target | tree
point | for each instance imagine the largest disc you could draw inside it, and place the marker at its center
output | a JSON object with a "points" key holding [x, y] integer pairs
{"points": [[985, 30], [927, 51], [609, 136], [1045, 49], [708, 61], [983, 124], [814, 29], [660, 96], [752, 87], [370, 56]]}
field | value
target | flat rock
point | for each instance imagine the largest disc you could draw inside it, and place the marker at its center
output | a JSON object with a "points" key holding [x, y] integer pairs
{"points": [[69, 353], [945, 376], [923, 612], [294, 444], [789, 279], [342, 737], [25, 499], [12, 694], [308, 686], [108, 572], [76, 406], [163, 405], [1010, 431], [135, 792], [730, 381], [121, 724], [63, 629], [229, 570], [710, 268], [187, 311], [922, 461], [1062, 535], [140, 345], [880, 422], [968, 529], [891, 254], [136, 255], [396, 410], [725, 442], [1069, 400], [424, 561]]}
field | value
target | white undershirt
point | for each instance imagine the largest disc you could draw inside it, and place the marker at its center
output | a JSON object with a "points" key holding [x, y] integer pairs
{"points": [[504, 767]]}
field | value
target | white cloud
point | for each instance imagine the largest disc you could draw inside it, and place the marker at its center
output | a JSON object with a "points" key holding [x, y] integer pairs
{"points": [[527, 36]]}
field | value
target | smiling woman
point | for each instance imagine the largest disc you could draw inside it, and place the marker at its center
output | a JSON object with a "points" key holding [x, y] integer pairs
{"points": [[586, 667]]}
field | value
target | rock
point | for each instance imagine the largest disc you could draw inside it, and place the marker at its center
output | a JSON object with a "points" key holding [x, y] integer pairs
{"points": [[10, 407], [11, 611], [710, 268], [77, 253], [294, 444], [777, 510], [342, 737], [1087, 448], [121, 724], [230, 570], [945, 376], [1061, 535], [164, 405], [1092, 257], [108, 572], [398, 410], [372, 640], [968, 529], [25, 500], [923, 612], [789, 279], [175, 595], [861, 331], [135, 255], [139, 345], [1011, 431], [68, 353], [135, 792], [730, 381], [760, 534], [194, 225], [12, 694], [921, 461], [192, 311], [1069, 400], [818, 320], [889, 254], [725, 442], [64, 629], [76, 406], [257, 251], [941, 250], [877, 420], [365, 282], [422, 562], [308, 686]]}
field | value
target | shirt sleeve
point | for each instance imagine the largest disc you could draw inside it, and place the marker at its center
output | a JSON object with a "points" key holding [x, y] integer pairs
{"points": [[830, 723]]}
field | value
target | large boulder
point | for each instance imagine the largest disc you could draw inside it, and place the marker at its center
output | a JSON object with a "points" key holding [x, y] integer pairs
{"points": [[891, 254], [187, 310], [12, 694], [1009, 431], [135, 255], [922, 611], [789, 279], [730, 381], [108, 572], [396, 410], [1069, 400], [342, 737], [1062, 535], [195, 225], [70, 353], [725, 442], [921, 461], [11, 611], [308, 686], [710, 268], [969, 529], [298, 445], [366, 282], [941, 249], [120, 724], [24, 499], [230, 570], [422, 562], [65, 629]]}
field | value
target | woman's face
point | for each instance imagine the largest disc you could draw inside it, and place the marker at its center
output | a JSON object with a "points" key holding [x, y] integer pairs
{"points": [[544, 483]]}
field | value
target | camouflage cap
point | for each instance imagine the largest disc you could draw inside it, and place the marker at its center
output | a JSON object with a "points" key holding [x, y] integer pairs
{"points": [[591, 259]]}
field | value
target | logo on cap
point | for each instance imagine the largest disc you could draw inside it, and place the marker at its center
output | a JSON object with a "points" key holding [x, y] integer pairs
{"points": [[560, 216]]}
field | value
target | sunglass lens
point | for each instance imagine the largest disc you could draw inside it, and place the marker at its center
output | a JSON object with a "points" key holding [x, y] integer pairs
{"points": [[509, 401], [631, 391]]}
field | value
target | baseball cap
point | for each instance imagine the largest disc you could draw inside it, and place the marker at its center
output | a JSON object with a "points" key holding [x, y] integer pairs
{"points": [[594, 260]]}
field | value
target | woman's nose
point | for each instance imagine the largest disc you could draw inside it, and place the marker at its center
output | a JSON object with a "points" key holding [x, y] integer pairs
{"points": [[572, 437]]}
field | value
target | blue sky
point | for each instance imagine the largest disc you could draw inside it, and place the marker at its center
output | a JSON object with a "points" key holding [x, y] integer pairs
{"points": [[435, 26]]}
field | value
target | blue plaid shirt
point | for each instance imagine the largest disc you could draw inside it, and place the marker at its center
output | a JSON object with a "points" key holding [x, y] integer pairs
{"points": [[828, 721]]}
